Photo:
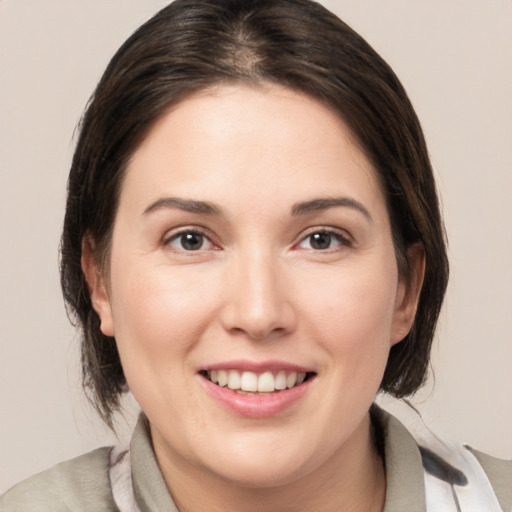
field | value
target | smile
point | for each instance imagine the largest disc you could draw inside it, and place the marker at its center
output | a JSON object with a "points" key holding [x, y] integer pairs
{"points": [[250, 382]]}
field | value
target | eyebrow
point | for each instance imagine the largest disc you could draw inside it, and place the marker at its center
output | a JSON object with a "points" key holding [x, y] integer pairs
{"points": [[187, 205], [318, 205], [302, 208]]}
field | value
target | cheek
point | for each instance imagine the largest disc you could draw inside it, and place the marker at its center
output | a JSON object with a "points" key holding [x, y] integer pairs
{"points": [[351, 318], [157, 312], [356, 308], [158, 322]]}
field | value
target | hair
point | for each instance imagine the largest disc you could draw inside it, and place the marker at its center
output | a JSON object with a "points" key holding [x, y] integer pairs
{"points": [[191, 45]]}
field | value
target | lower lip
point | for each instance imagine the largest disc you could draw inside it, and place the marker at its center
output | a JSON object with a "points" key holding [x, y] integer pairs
{"points": [[257, 406]]}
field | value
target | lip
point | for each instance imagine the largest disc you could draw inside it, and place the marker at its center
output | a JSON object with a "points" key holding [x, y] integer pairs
{"points": [[272, 365], [254, 405]]}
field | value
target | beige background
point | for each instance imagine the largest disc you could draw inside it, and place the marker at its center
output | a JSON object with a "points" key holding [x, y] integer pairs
{"points": [[455, 59]]}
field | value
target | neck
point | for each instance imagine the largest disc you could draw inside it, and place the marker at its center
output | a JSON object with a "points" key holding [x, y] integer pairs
{"points": [[352, 479]]}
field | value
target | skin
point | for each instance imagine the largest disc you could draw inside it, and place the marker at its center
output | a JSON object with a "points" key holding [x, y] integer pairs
{"points": [[257, 289]]}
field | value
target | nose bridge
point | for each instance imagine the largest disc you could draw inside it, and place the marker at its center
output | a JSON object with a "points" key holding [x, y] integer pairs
{"points": [[259, 304]]}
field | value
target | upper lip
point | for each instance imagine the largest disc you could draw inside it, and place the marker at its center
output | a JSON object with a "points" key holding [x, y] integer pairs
{"points": [[272, 365]]}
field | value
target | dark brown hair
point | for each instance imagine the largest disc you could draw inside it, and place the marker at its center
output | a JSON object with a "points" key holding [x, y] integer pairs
{"points": [[193, 44]]}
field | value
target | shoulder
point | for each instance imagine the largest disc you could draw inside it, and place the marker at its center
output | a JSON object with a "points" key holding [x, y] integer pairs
{"points": [[499, 473], [408, 459], [79, 484]]}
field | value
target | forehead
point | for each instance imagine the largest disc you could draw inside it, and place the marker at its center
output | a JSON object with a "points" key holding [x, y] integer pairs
{"points": [[234, 141]]}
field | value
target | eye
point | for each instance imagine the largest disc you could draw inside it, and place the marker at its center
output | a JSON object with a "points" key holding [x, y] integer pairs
{"points": [[189, 240], [324, 240]]}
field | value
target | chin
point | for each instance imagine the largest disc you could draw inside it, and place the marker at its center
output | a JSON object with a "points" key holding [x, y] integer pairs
{"points": [[262, 475], [262, 468]]}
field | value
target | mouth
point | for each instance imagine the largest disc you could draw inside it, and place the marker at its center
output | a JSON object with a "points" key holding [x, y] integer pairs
{"points": [[252, 383]]}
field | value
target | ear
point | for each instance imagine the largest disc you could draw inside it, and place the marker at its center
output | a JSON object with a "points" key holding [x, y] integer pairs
{"points": [[408, 294], [97, 286]]}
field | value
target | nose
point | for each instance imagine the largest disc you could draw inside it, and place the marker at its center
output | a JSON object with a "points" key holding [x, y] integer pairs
{"points": [[258, 301]]}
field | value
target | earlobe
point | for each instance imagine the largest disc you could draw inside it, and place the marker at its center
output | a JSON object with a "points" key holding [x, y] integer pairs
{"points": [[408, 294], [97, 286]]}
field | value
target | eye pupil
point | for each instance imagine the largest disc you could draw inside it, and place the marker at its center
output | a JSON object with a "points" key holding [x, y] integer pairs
{"points": [[191, 241], [320, 241]]}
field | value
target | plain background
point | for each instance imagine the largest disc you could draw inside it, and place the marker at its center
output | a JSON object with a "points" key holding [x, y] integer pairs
{"points": [[454, 58]]}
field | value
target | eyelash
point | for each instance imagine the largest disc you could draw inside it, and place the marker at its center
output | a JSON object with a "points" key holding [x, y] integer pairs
{"points": [[167, 241], [330, 233], [342, 239]]}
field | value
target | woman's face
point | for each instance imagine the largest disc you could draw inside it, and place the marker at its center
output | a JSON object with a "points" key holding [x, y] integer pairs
{"points": [[252, 245]]}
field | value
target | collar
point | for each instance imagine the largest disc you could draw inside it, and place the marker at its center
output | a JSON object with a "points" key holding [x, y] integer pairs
{"points": [[451, 474]]}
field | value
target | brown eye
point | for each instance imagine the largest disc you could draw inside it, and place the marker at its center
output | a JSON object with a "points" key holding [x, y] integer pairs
{"points": [[189, 241], [320, 241], [324, 241]]}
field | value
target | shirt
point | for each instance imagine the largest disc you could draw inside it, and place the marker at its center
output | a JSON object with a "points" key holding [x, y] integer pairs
{"points": [[82, 484]]}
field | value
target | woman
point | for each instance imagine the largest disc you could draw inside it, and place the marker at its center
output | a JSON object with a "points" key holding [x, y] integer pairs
{"points": [[253, 247]]}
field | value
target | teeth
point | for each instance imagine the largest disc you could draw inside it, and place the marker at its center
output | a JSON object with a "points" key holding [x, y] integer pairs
{"points": [[266, 382], [280, 382], [291, 380], [222, 375], [251, 382], [233, 379]]}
